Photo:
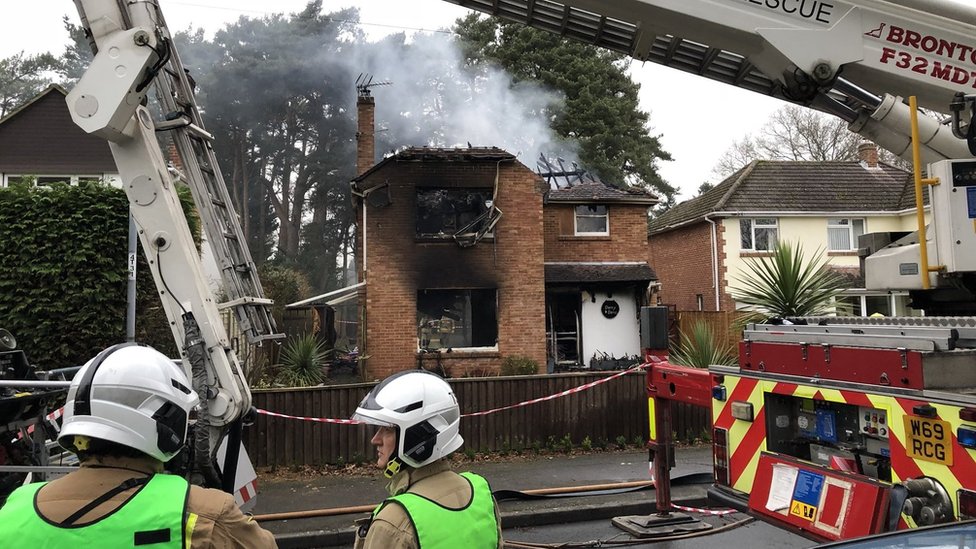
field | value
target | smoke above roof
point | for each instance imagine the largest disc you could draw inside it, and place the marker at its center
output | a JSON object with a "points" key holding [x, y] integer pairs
{"points": [[436, 99]]}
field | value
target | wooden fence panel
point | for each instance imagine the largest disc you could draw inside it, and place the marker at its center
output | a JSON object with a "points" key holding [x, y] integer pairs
{"points": [[616, 408]]}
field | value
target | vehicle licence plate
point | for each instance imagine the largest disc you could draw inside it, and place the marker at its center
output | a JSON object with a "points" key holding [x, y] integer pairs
{"points": [[928, 439]]}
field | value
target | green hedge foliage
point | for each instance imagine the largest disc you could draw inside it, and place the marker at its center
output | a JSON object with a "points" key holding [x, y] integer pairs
{"points": [[63, 273]]}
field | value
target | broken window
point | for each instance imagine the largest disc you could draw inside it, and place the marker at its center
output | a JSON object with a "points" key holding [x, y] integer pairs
{"points": [[443, 212], [457, 318], [592, 219]]}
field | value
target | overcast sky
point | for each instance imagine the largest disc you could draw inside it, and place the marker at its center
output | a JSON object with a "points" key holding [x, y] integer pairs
{"points": [[698, 119]]}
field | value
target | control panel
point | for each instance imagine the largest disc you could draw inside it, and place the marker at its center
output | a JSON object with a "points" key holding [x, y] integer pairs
{"points": [[873, 422]]}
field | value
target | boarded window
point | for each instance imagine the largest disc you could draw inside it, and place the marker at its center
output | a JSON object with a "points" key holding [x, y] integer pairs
{"points": [[457, 318], [444, 212]]}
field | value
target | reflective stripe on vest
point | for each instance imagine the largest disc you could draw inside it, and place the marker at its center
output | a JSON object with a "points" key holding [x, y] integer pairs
{"points": [[153, 518], [439, 527]]}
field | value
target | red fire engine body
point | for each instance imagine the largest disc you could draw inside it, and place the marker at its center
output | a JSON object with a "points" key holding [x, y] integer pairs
{"points": [[839, 430]]}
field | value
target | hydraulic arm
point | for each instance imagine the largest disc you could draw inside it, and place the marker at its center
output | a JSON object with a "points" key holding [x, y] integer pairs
{"points": [[133, 53]]}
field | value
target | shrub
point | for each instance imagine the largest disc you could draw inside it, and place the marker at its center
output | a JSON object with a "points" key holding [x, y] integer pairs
{"points": [[587, 444], [302, 359], [566, 444], [701, 349], [63, 263], [518, 365], [621, 442], [551, 442]]}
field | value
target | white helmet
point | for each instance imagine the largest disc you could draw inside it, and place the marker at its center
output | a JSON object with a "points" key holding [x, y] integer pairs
{"points": [[132, 395], [423, 408]]}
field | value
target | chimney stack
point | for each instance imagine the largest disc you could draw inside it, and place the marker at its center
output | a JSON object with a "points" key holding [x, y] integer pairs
{"points": [[867, 152], [365, 134]]}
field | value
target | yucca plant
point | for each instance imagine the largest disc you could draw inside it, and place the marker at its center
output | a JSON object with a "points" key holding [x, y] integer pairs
{"points": [[788, 285], [701, 348], [302, 361]]}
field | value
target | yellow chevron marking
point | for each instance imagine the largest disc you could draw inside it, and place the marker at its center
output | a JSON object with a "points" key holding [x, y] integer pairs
{"points": [[748, 476]]}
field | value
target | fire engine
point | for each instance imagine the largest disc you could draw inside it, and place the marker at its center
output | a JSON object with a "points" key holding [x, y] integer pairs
{"points": [[835, 427]]}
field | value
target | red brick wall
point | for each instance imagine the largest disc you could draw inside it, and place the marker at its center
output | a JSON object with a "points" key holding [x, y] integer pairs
{"points": [[398, 265], [626, 242], [365, 141], [682, 260]]}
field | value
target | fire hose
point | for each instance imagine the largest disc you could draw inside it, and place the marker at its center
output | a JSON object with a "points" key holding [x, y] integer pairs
{"points": [[335, 511], [625, 542]]}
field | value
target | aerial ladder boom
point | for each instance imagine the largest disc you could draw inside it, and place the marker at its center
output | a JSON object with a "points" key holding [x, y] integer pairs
{"points": [[134, 52], [854, 59]]}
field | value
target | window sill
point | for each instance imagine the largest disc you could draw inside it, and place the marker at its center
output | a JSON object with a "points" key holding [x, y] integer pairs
{"points": [[445, 239], [585, 237], [460, 352], [850, 253], [755, 254]]}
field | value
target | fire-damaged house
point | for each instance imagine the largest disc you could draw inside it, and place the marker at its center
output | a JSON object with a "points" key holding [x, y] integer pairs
{"points": [[469, 257]]}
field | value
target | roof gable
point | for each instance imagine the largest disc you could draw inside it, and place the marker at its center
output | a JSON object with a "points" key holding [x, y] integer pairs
{"points": [[39, 138]]}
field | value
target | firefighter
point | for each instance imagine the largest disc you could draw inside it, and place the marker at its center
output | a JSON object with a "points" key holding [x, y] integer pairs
{"points": [[127, 414], [430, 505]]}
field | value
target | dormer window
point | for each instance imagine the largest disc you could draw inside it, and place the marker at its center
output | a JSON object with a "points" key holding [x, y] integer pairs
{"points": [[592, 220]]}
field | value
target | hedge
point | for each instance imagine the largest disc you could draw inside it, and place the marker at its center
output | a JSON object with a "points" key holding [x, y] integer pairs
{"points": [[63, 273]]}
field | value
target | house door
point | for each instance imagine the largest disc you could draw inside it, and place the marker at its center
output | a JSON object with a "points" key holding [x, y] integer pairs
{"points": [[563, 328]]}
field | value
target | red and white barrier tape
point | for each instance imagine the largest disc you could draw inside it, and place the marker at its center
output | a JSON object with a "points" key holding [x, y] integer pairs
{"points": [[574, 390], [52, 417], [484, 413], [304, 418], [713, 512]]}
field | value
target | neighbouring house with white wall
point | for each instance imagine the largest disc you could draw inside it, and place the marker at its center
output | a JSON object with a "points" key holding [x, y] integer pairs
{"points": [[699, 248]]}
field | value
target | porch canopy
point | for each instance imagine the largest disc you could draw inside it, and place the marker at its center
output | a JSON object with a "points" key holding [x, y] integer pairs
{"points": [[333, 298], [583, 272]]}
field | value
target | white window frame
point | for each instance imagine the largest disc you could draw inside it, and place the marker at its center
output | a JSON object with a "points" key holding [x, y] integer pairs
{"points": [[838, 223], [752, 232], [895, 304], [605, 216], [73, 180]]}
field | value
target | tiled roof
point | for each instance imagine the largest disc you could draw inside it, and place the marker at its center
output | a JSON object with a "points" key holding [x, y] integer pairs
{"points": [[436, 154], [599, 272], [794, 186], [597, 191], [470, 154]]}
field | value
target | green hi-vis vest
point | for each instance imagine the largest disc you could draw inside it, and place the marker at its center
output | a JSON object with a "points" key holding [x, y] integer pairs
{"points": [[471, 527], [152, 518]]}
